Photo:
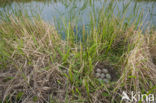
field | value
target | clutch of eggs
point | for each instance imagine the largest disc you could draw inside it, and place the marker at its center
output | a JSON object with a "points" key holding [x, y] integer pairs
{"points": [[103, 74]]}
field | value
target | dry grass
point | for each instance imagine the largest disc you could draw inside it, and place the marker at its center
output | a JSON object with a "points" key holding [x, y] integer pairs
{"points": [[139, 71], [31, 70], [152, 41]]}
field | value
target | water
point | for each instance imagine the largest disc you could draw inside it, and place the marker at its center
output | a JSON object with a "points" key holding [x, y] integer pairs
{"points": [[79, 11]]}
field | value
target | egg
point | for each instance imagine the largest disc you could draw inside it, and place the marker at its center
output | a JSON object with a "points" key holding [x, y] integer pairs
{"points": [[102, 75], [104, 70], [97, 75], [98, 70], [106, 80], [100, 79], [108, 76]]}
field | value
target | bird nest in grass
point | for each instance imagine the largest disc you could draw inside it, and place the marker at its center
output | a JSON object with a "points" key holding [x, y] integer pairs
{"points": [[105, 72]]}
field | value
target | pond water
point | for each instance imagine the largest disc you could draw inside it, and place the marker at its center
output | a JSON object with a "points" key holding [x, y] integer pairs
{"points": [[79, 11]]}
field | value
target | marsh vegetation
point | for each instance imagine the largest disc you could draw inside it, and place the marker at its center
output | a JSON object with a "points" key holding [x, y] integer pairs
{"points": [[58, 62]]}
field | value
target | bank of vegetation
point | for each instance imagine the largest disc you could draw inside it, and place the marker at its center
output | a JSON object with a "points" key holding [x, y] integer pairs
{"points": [[37, 64]]}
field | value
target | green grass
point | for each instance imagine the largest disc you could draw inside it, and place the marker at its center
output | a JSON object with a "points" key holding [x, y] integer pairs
{"points": [[37, 64]]}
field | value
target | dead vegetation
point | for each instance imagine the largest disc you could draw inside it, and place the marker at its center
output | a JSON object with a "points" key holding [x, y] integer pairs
{"points": [[30, 74], [139, 71]]}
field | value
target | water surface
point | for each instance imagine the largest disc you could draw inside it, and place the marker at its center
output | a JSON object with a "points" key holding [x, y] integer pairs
{"points": [[79, 11]]}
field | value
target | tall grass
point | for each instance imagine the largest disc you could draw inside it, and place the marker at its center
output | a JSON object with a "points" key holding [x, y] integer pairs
{"points": [[38, 65]]}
